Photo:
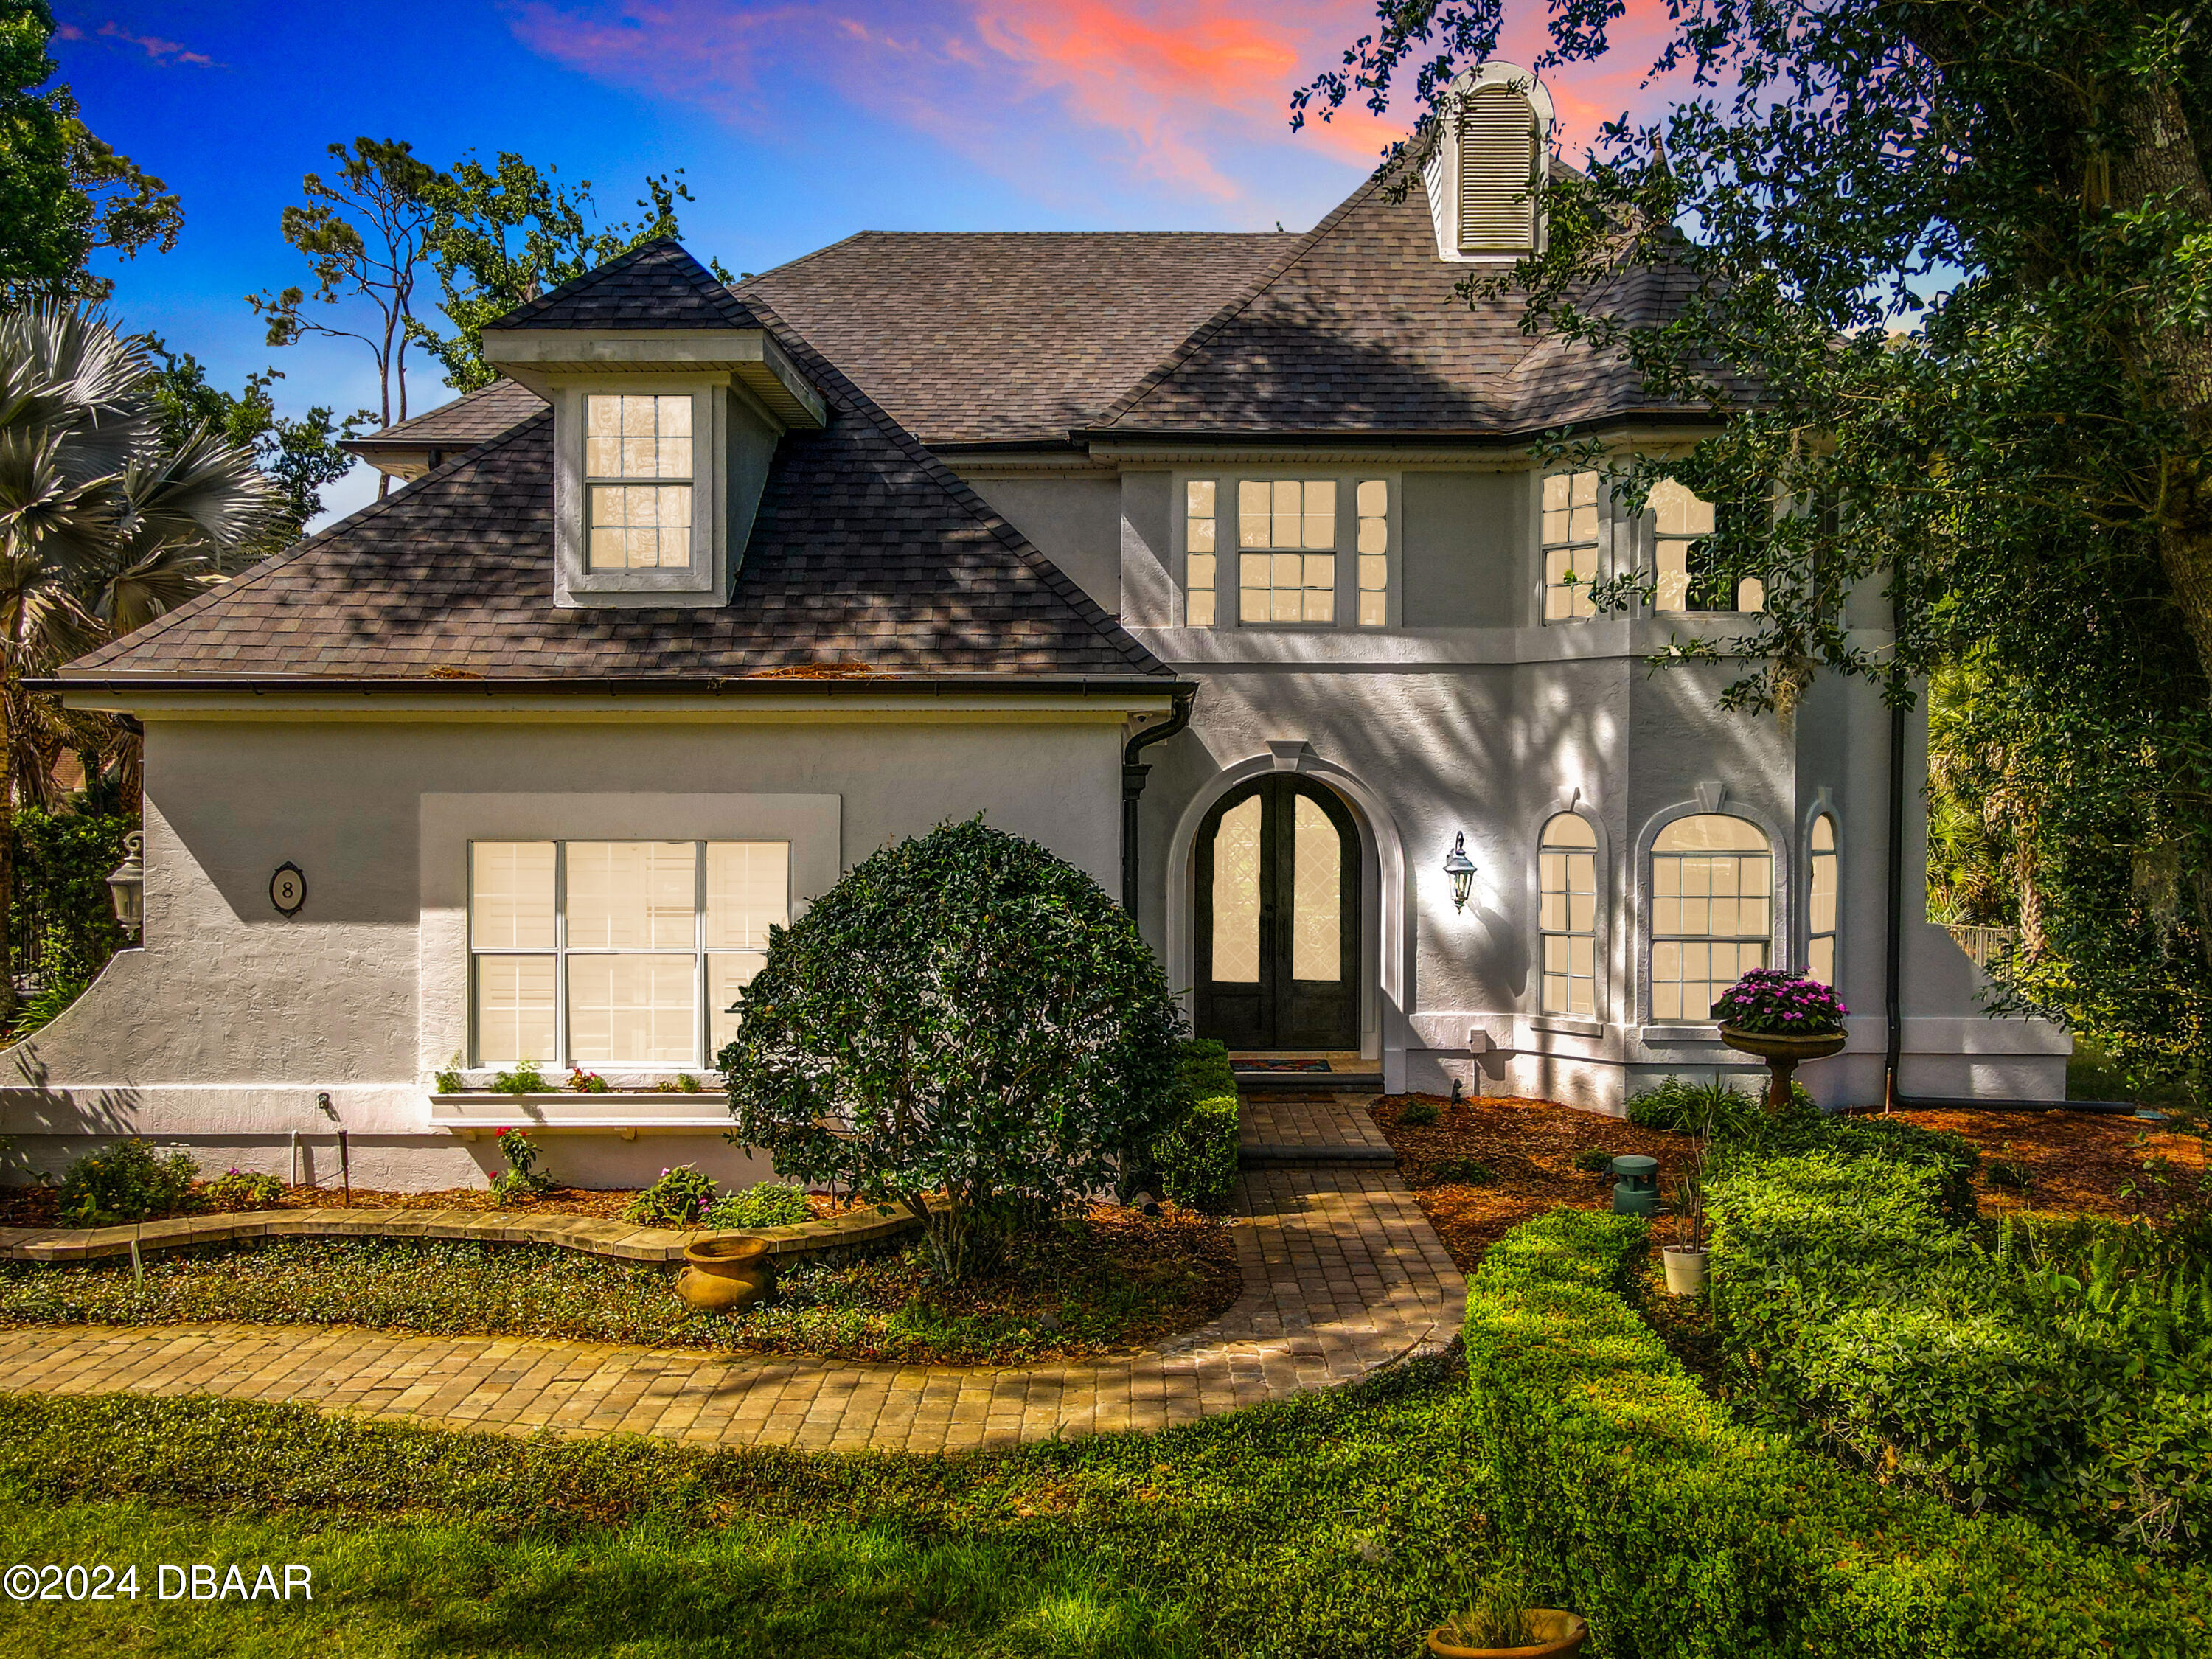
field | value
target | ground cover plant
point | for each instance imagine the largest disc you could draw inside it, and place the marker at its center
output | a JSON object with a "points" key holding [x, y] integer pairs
{"points": [[1086, 1284], [1334, 1526]]}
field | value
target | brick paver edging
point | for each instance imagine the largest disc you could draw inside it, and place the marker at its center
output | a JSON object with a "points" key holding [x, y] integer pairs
{"points": [[625, 1240], [1342, 1277]]}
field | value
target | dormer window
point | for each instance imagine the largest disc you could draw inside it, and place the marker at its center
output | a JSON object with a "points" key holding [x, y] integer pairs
{"points": [[637, 480], [1488, 163]]}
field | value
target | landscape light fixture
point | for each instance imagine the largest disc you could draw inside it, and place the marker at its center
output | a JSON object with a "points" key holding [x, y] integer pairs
{"points": [[127, 887], [1460, 869]]}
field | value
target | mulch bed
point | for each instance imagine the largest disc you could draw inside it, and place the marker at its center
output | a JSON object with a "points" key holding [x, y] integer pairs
{"points": [[34, 1207], [2077, 1163]]}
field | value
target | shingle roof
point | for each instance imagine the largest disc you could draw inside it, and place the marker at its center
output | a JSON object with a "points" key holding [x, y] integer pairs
{"points": [[1360, 330], [866, 555], [655, 285], [989, 337], [474, 418]]}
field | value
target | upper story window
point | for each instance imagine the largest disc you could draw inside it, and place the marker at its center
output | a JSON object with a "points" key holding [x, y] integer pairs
{"points": [[1681, 522], [1566, 916], [1570, 544], [1310, 552], [616, 953], [1820, 903], [637, 480], [1712, 901]]}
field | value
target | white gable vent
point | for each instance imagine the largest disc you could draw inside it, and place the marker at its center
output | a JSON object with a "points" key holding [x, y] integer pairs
{"points": [[1490, 145]]}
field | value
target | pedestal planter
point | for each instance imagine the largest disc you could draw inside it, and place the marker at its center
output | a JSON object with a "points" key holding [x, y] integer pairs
{"points": [[1562, 1633], [1782, 1055], [724, 1275], [1686, 1268]]}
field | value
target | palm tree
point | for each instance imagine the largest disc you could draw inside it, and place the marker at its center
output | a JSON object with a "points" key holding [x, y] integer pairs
{"points": [[101, 530]]}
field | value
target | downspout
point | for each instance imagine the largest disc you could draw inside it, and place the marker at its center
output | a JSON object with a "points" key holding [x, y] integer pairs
{"points": [[1132, 788]]}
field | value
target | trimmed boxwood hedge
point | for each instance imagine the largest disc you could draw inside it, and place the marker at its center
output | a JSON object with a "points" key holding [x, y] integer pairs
{"points": [[1197, 1158], [1637, 1502]]}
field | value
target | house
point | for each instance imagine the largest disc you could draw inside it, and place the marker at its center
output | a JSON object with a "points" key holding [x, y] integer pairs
{"points": [[1219, 564]]}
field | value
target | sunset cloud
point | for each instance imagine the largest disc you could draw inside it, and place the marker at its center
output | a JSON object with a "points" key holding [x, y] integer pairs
{"points": [[1188, 95], [161, 50]]}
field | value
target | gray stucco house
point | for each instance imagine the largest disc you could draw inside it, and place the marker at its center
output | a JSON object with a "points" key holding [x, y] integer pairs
{"points": [[1216, 563]]}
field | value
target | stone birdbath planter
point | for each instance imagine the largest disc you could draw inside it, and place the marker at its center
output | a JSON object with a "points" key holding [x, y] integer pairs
{"points": [[1785, 1019]]}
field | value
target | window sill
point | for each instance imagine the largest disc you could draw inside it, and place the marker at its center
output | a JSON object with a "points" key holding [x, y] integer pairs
{"points": [[1566, 1026], [1708, 1032]]}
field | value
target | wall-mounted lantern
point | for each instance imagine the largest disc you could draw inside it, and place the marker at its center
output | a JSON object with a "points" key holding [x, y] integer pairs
{"points": [[127, 887], [1460, 869]]}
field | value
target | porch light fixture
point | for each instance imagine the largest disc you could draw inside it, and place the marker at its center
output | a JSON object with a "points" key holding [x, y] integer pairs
{"points": [[1460, 869], [127, 887]]}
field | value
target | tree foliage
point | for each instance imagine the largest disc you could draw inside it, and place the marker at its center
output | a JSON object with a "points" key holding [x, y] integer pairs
{"points": [[963, 1014], [1948, 273], [64, 195]]}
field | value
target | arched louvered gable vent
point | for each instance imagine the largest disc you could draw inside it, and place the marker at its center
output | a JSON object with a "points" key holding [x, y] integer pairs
{"points": [[1497, 165], [1490, 151]]}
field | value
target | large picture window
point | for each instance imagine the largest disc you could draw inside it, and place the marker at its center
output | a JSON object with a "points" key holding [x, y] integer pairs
{"points": [[1566, 916], [1712, 902], [618, 953], [1294, 581]]}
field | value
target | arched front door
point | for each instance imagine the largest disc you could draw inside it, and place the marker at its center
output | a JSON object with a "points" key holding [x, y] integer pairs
{"points": [[1278, 924]]}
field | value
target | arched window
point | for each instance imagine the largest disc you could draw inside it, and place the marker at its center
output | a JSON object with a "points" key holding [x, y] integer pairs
{"points": [[1820, 907], [1712, 902], [1566, 916], [1496, 171]]}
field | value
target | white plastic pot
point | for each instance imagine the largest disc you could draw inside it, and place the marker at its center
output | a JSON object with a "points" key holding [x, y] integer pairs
{"points": [[1686, 1268]]}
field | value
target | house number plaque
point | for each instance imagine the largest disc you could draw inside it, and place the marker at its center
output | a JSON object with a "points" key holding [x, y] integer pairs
{"points": [[288, 889]]}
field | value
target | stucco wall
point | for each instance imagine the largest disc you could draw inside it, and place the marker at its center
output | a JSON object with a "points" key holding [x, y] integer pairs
{"points": [[1074, 522], [219, 1033]]}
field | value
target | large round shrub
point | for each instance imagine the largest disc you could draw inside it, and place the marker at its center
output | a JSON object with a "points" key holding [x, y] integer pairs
{"points": [[963, 1014]]}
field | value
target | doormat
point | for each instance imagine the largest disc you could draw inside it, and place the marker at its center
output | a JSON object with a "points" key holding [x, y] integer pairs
{"points": [[1279, 1066]]}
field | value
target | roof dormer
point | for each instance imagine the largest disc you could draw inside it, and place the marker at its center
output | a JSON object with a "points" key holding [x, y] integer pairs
{"points": [[669, 398], [1492, 152]]}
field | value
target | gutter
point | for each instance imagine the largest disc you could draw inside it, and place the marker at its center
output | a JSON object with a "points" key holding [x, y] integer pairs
{"points": [[1133, 785], [1894, 1099], [867, 685]]}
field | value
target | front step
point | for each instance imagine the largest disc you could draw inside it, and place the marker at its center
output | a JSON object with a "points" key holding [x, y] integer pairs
{"points": [[1311, 1083], [1259, 1157]]}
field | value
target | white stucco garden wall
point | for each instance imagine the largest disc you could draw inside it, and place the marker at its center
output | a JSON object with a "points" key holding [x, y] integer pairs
{"points": [[218, 1034]]}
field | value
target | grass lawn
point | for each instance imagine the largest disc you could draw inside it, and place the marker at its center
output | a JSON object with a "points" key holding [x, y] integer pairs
{"points": [[1332, 1526], [1113, 1279]]}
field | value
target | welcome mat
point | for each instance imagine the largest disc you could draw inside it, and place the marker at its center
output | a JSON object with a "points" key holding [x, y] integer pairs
{"points": [[1279, 1066]]}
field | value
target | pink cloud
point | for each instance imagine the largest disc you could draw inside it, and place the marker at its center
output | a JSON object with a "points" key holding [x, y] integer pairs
{"points": [[1191, 94], [161, 50]]}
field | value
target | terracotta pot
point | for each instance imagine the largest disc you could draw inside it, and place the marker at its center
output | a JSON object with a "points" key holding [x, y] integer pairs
{"points": [[1563, 1633], [724, 1274], [1686, 1268], [1781, 1054]]}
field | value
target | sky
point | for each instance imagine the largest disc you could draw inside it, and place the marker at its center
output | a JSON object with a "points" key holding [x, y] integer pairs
{"points": [[795, 122]]}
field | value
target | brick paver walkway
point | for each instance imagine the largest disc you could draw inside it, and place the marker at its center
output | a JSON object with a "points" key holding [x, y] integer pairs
{"points": [[1314, 1120], [1342, 1276]]}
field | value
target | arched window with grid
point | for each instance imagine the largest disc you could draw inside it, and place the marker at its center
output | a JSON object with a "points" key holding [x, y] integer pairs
{"points": [[1566, 916], [1712, 910], [1820, 903]]}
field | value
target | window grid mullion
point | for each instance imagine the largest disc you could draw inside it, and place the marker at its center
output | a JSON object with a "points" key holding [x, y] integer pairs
{"points": [[560, 953]]}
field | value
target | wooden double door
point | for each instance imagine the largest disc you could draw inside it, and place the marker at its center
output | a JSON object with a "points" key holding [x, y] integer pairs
{"points": [[1278, 924]]}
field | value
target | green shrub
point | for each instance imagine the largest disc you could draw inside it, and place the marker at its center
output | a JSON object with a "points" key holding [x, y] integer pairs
{"points": [[1681, 1107], [1856, 1314], [63, 860], [1194, 1161], [963, 1013], [1419, 1114], [1635, 1500], [681, 1198], [125, 1183], [235, 1189], [1594, 1160], [525, 1079], [521, 1180], [1468, 1171], [770, 1204]]}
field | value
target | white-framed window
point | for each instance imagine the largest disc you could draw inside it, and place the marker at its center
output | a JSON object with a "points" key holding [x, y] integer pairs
{"points": [[1570, 544], [637, 480], [1820, 903], [1372, 498], [1286, 551], [1712, 906], [1566, 916], [1201, 500], [616, 953], [1680, 521]]}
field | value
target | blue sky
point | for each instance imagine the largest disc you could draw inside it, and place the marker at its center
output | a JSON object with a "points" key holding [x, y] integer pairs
{"points": [[796, 122]]}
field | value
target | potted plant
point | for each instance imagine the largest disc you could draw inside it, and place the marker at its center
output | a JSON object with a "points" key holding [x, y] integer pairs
{"points": [[1499, 1622], [1784, 1018], [1685, 1258]]}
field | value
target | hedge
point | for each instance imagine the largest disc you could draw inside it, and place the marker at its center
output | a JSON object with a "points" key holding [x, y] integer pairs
{"points": [[1637, 1501], [1853, 1312], [1197, 1158]]}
